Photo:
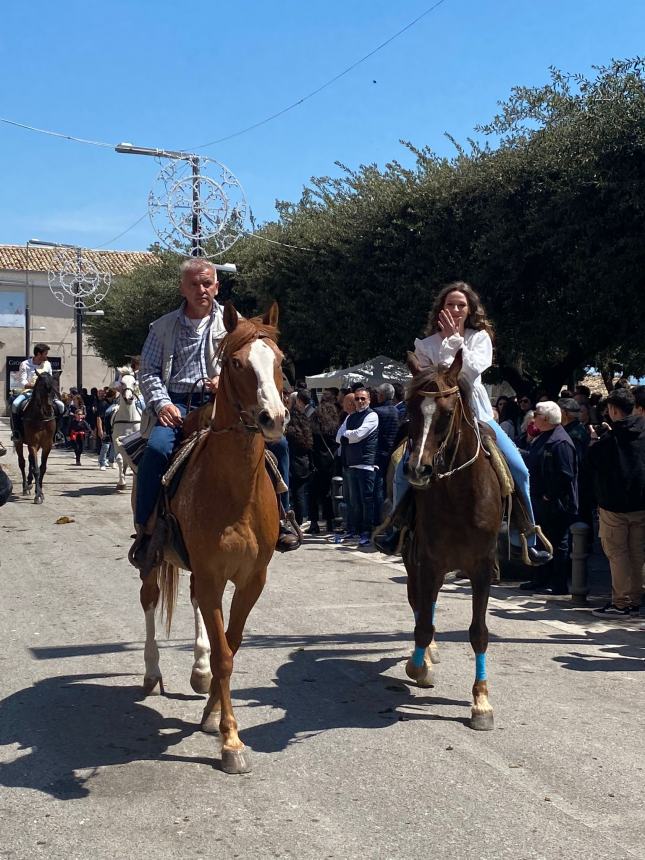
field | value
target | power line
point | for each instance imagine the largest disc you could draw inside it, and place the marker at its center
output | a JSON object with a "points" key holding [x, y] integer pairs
{"points": [[327, 83], [127, 230], [58, 134], [255, 125], [283, 244]]}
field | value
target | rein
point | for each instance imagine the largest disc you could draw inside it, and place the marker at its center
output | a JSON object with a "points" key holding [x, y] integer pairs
{"points": [[240, 424], [437, 475]]}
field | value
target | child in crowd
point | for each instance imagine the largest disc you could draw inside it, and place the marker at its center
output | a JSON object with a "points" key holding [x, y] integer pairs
{"points": [[79, 429]]}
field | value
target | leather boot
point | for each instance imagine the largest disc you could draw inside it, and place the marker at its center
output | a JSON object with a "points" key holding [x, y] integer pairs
{"points": [[388, 536], [17, 434], [139, 550]]}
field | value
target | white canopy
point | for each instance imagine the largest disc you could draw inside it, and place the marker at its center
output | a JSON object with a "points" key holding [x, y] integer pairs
{"points": [[373, 372]]}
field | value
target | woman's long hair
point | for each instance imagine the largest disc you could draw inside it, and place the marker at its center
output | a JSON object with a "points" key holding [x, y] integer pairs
{"points": [[476, 318], [325, 418], [299, 430]]}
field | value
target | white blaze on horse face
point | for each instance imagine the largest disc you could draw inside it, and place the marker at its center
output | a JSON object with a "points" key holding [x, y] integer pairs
{"points": [[262, 359], [428, 409]]}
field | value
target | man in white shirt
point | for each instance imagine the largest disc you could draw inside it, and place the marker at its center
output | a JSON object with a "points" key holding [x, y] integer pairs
{"points": [[358, 434], [28, 373]]}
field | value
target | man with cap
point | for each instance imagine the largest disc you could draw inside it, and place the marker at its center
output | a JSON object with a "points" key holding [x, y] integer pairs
{"points": [[571, 422]]}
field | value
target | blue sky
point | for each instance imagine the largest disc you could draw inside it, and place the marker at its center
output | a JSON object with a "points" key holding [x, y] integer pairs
{"points": [[156, 75]]}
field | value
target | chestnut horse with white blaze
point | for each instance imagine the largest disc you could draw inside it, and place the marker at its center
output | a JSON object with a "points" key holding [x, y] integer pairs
{"points": [[39, 428], [227, 510], [459, 508]]}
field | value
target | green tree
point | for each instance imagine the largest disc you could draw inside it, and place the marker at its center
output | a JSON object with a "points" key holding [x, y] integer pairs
{"points": [[545, 218]]}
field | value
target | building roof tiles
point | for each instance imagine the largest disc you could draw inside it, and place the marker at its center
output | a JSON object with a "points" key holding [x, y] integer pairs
{"points": [[39, 259]]}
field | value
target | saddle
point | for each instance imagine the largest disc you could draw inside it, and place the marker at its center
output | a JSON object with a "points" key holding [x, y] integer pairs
{"points": [[167, 542]]}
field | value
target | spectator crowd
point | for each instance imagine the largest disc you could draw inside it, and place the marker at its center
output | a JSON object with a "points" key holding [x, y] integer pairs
{"points": [[585, 455]]}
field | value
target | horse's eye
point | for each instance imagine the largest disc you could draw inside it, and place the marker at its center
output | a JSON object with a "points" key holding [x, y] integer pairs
{"points": [[237, 364]]}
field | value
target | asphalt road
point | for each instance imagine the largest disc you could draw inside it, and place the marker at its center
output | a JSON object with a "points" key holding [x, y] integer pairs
{"points": [[350, 760]]}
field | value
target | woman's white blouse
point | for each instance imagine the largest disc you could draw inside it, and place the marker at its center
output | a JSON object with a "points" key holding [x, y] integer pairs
{"points": [[477, 353]]}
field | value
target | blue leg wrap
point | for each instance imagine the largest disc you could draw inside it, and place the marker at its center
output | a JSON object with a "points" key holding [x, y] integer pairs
{"points": [[480, 667], [418, 656]]}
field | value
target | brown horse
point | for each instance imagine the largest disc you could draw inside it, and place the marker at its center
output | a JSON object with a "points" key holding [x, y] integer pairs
{"points": [[227, 510], [39, 423], [458, 517]]}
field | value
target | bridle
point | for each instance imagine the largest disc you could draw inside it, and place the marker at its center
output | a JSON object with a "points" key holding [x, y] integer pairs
{"points": [[453, 429], [135, 399], [249, 425]]}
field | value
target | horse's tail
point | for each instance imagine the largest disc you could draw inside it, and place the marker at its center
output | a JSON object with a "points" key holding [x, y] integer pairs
{"points": [[168, 580]]}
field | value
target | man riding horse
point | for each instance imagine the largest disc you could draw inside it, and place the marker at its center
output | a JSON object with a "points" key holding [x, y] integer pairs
{"points": [[29, 371], [179, 365]]}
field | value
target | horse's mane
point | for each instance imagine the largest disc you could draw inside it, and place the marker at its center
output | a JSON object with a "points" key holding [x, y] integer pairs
{"points": [[246, 331], [40, 402], [126, 370]]}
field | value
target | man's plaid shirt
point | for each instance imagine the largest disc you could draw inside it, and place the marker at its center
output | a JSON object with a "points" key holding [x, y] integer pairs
{"points": [[188, 365]]}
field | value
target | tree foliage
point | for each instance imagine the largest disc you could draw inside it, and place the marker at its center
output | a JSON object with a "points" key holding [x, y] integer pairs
{"points": [[546, 219]]}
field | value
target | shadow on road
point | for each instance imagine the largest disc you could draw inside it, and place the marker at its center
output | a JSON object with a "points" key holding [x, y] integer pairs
{"points": [[74, 723], [100, 490], [321, 690]]}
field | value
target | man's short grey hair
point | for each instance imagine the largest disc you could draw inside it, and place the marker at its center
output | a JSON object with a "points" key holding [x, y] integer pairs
{"points": [[386, 390], [550, 411], [197, 264]]}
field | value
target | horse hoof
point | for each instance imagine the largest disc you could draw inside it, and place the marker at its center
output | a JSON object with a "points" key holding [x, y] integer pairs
{"points": [[210, 723], [121, 487], [433, 653], [39, 500], [421, 674], [482, 722], [153, 686], [200, 682], [236, 761]]}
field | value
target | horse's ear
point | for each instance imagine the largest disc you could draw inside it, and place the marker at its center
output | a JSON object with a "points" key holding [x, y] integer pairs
{"points": [[230, 317], [413, 364], [455, 368], [271, 316]]}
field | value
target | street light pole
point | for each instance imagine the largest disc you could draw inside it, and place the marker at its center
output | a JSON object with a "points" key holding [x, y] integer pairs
{"points": [[76, 294], [197, 248], [79, 326], [198, 251]]}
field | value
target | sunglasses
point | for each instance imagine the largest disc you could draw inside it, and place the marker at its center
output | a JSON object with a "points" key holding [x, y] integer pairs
{"points": [[360, 398]]}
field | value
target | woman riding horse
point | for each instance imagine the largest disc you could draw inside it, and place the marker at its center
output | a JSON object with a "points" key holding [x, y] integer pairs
{"points": [[458, 322]]}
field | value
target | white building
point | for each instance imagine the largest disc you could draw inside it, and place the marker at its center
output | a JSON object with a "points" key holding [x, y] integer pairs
{"points": [[24, 285]]}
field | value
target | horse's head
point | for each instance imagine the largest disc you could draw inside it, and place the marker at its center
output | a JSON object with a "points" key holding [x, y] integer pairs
{"points": [[251, 370], [44, 387], [128, 385], [42, 397], [432, 397]]}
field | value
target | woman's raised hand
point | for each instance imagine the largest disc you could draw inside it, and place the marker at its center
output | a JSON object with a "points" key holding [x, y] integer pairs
{"points": [[447, 324]]}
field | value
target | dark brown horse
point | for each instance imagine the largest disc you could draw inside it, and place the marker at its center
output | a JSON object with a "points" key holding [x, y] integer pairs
{"points": [[39, 423], [227, 510], [458, 517]]}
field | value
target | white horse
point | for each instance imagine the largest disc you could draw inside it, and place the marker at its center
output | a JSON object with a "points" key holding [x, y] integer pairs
{"points": [[127, 418]]}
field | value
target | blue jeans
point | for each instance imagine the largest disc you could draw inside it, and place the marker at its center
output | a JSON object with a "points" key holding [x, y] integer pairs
{"points": [[156, 459], [361, 501], [516, 465], [281, 451], [107, 452]]}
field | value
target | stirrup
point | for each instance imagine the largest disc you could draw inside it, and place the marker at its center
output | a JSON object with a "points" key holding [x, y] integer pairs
{"points": [[291, 536], [539, 534]]}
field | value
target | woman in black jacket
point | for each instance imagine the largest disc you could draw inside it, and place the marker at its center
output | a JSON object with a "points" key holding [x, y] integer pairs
{"points": [[301, 442], [324, 424]]}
